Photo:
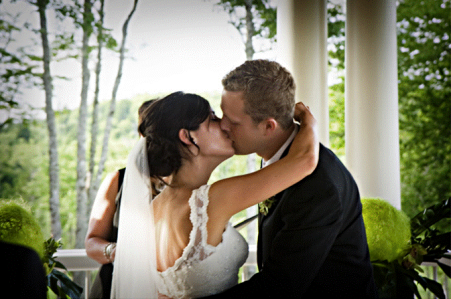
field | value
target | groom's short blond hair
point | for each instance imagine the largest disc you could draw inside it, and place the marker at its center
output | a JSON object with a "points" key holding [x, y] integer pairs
{"points": [[268, 90]]}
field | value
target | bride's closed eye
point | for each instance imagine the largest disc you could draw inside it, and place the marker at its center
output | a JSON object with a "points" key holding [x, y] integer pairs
{"points": [[214, 117]]}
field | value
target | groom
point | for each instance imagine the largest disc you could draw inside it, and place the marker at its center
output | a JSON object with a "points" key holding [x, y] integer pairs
{"points": [[312, 241]]}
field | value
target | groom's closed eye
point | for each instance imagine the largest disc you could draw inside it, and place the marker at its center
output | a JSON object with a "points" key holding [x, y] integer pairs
{"points": [[229, 121], [234, 123], [227, 124]]}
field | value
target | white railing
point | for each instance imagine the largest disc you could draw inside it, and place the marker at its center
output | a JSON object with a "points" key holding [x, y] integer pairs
{"points": [[77, 260]]}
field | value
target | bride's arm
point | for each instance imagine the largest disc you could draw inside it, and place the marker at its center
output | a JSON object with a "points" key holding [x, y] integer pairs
{"points": [[238, 193]]}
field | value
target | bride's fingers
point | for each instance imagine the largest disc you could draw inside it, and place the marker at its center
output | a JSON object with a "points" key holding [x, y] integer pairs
{"points": [[300, 111], [304, 116]]}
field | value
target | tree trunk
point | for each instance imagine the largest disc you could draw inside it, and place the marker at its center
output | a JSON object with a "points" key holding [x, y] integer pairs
{"points": [[82, 218], [82, 179], [93, 185], [51, 125], [113, 98], [250, 30]]}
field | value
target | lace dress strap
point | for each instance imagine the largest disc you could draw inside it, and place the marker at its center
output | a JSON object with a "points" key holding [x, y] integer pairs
{"points": [[199, 218]]}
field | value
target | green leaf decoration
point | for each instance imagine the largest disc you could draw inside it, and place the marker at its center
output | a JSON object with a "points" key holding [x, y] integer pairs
{"points": [[66, 285], [430, 216], [384, 242], [395, 278], [18, 226], [58, 282], [266, 205]]}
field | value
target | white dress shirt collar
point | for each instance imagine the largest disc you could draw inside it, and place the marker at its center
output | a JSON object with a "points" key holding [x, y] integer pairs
{"points": [[279, 153]]}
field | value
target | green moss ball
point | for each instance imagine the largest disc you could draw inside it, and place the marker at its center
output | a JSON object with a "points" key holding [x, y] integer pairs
{"points": [[387, 229], [18, 226]]}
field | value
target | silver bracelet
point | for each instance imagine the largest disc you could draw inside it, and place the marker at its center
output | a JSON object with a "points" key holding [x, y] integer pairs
{"points": [[108, 250]]}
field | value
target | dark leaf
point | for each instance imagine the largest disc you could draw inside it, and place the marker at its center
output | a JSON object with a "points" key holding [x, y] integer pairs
{"points": [[60, 265], [384, 276], [430, 216], [437, 245], [411, 274], [69, 287], [445, 268], [404, 281], [435, 288], [52, 282]]}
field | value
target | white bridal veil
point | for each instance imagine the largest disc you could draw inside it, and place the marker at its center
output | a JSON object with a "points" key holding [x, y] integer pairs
{"points": [[135, 271]]}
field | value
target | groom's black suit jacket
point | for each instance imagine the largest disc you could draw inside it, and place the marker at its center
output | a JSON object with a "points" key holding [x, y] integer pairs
{"points": [[312, 243]]}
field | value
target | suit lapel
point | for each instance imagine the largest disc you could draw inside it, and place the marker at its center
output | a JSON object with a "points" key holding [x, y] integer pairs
{"points": [[262, 218]]}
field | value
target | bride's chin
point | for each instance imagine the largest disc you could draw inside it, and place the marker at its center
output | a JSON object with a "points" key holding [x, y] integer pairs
{"points": [[232, 152]]}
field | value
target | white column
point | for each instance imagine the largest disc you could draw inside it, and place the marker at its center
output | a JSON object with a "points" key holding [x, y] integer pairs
{"points": [[371, 93], [302, 49]]}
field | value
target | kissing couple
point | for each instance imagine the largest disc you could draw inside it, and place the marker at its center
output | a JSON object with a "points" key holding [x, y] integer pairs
{"points": [[180, 243]]}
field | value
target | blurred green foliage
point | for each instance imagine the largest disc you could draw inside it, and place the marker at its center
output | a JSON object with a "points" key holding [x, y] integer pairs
{"points": [[18, 226], [387, 229]]}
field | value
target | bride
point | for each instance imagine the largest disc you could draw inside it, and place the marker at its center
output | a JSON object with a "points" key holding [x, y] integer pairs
{"points": [[180, 244]]}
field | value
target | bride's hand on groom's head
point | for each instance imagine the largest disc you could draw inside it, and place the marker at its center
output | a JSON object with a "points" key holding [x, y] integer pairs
{"points": [[306, 142], [303, 115]]}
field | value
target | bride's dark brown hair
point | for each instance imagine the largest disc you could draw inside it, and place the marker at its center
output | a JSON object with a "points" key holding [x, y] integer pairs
{"points": [[161, 124]]}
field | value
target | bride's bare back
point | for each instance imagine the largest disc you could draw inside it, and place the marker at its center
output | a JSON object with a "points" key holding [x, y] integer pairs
{"points": [[172, 228]]}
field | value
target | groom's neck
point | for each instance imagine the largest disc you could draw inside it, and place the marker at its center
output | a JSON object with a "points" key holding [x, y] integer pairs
{"points": [[272, 145]]}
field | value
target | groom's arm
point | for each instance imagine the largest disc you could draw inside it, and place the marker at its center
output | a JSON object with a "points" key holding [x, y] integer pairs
{"points": [[312, 221]]}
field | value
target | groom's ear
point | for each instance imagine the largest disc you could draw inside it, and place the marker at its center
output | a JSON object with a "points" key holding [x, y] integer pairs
{"points": [[270, 126]]}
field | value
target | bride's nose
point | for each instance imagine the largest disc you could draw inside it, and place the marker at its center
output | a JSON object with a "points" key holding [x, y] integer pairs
{"points": [[225, 126]]}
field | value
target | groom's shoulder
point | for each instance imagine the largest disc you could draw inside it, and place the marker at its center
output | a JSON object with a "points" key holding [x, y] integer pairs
{"points": [[328, 164], [331, 168], [328, 159], [325, 151], [316, 178]]}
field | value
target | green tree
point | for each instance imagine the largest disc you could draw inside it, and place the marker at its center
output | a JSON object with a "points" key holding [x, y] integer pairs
{"points": [[17, 67], [337, 119], [81, 186], [335, 42], [92, 190], [254, 19], [33, 70], [424, 102], [108, 125], [54, 189]]}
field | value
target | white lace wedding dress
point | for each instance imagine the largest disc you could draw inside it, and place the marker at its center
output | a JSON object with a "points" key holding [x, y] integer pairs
{"points": [[203, 269]]}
